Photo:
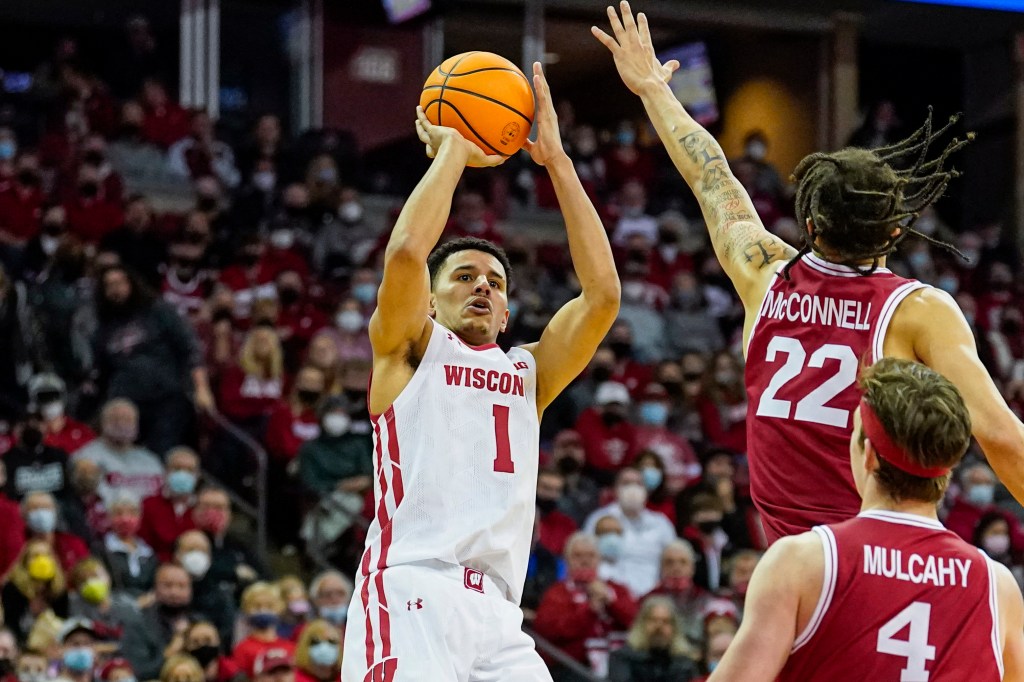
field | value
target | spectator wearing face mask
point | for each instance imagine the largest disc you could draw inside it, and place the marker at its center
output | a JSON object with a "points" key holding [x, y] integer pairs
{"points": [[627, 369], [41, 515], [187, 281], [975, 499], [626, 160], [35, 584], [363, 288], [83, 510], [112, 612], [78, 639], [675, 581], [579, 614], [608, 532], [609, 437], [210, 600], [40, 250], [555, 526], [653, 471], [633, 219], [233, 563], [678, 465], [135, 242], [318, 653], [21, 204], [33, 466], [126, 467], [48, 396], [668, 259], [352, 339], [714, 650], [294, 421], [164, 620], [581, 494], [337, 459], [299, 321], [331, 592], [202, 642], [91, 213], [690, 326], [132, 562], [251, 277], [261, 610], [298, 610], [704, 531], [168, 514], [145, 352], [723, 404], [31, 666], [992, 534], [656, 650], [645, 533]]}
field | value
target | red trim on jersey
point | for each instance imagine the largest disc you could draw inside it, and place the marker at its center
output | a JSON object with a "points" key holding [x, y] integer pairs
{"points": [[395, 454], [385, 620], [486, 346], [888, 450], [365, 594]]}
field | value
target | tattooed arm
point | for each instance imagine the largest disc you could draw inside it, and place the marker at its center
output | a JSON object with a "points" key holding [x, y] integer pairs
{"points": [[747, 251]]}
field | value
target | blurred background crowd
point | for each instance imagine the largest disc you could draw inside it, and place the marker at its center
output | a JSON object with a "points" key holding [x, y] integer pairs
{"points": [[186, 458]]}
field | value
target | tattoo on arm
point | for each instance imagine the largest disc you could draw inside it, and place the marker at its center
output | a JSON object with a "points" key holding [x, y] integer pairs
{"points": [[735, 228]]}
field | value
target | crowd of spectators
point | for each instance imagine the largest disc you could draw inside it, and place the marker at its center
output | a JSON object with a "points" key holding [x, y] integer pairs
{"points": [[129, 335]]}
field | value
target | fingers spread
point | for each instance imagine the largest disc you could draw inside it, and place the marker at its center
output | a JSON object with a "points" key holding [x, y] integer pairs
{"points": [[604, 38], [645, 30], [627, 16], [672, 65], [613, 18]]}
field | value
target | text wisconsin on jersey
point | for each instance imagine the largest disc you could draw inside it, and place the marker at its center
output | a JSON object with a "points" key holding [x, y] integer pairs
{"points": [[486, 379], [823, 310]]}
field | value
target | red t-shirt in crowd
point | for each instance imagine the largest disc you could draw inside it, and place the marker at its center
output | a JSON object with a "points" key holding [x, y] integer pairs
{"points": [[245, 396], [555, 529], [162, 523], [565, 618], [249, 649], [163, 126], [286, 431], [73, 435], [20, 211], [607, 448], [91, 219]]}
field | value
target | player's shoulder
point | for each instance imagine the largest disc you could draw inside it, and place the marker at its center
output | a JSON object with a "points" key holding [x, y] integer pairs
{"points": [[797, 554]]}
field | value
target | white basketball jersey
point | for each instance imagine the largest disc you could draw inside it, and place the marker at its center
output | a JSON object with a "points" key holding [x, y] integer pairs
{"points": [[456, 463]]}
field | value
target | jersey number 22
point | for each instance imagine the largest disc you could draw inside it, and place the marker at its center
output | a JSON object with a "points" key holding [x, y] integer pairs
{"points": [[812, 407]]}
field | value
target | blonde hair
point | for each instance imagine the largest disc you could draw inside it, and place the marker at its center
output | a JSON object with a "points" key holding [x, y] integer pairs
{"points": [[288, 584], [261, 590], [252, 366], [181, 659], [56, 586], [317, 629]]}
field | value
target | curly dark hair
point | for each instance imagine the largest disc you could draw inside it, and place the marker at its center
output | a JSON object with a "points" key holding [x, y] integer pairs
{"points": [[440, 255], [855, 198]]}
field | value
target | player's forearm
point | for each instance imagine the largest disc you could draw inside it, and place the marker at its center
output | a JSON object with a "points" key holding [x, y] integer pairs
{"points": [[426, 212], [588, 241], [1004, 450]]}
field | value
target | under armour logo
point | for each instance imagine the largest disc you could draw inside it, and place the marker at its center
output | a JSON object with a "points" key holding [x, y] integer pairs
{"points": [[474, 580], [418, 603], [522, 365]]}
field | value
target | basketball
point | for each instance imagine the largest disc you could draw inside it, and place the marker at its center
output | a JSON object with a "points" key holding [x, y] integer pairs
{"points": [[485, 97]]}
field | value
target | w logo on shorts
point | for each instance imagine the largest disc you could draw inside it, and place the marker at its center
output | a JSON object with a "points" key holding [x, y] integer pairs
{"points": [[474, 580]]}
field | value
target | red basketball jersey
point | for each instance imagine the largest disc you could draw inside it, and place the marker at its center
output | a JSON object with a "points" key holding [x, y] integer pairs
{"points": [[803, 355], [903, 600]]}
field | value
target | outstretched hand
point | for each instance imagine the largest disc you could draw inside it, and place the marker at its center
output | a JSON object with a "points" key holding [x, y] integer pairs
{"points": [[633, 50], [549, 141], [435, 137]]}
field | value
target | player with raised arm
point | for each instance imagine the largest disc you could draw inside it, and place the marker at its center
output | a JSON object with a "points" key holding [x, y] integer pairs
{"points": [[814, 315], [456, 428], [890, 594]]}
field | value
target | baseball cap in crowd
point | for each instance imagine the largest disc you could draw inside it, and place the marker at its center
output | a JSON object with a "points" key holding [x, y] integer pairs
{"points": [[654, 391], [73, 625], [721, 608], [271, 660], [611, 392], [115, 664]]}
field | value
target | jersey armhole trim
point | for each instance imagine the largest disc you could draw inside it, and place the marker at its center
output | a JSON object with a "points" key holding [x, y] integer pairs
{"points": [[885, 317], [828, 586], [760, 309], [993, 605]]}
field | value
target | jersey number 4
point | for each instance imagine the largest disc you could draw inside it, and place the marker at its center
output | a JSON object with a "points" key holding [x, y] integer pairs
{"points": [[812, 407], [915, 648]]}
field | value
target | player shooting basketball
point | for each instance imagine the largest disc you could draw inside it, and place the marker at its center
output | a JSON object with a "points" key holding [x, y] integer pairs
{"points": [[457, 426], [813, 315]]}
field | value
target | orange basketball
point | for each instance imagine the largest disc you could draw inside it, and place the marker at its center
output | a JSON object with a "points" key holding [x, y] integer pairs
{"points": [[485, 97]]}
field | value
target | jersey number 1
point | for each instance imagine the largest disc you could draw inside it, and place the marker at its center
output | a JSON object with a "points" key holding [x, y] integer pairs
{"points": [[915, 648], [503, 463]]}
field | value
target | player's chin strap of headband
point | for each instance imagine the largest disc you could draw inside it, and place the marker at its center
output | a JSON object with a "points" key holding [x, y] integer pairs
{"points": [[889, 451]]}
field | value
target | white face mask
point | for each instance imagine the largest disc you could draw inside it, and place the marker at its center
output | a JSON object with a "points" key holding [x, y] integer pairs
{"points": [[757, 150], [264, 180], [350, 212], [196, 563], [282, 239], [336, 423], [996, 545], [49, 244], [350, 321], [51, 411], [631, 497]]}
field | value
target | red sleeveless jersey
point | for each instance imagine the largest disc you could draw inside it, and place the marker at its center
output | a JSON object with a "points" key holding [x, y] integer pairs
{"points": [[805, 349], [903, 600]]}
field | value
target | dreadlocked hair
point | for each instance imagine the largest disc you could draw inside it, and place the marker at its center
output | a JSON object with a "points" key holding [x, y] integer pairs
{"points": [[856, 198]]}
